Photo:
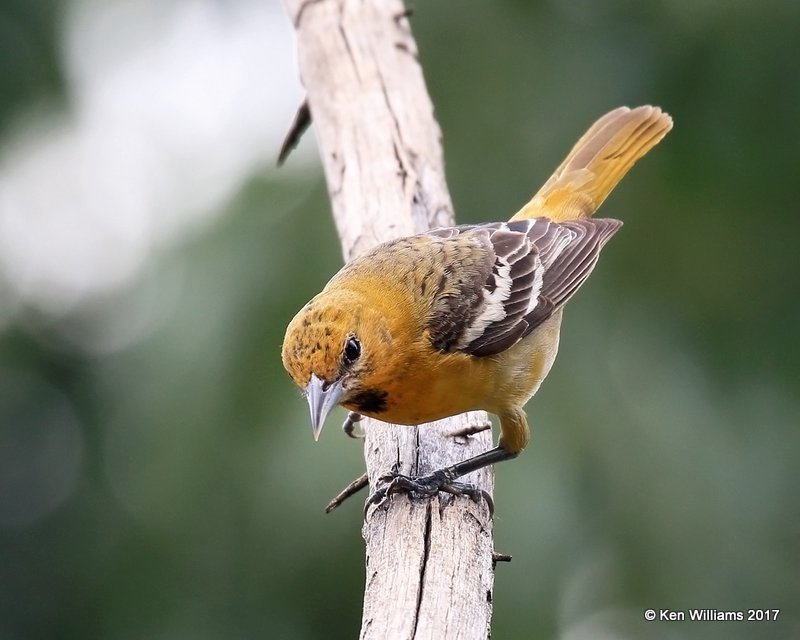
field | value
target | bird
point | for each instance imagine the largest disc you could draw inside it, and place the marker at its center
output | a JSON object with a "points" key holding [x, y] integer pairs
{"points": [[467, 317]]}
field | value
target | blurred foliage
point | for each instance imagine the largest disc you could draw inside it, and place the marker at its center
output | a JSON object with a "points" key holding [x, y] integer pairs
{"points": [[29, 62], [170, 487]]}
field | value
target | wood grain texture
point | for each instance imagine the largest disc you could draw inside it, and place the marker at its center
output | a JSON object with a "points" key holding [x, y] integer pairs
{"points": [[429, 567]]}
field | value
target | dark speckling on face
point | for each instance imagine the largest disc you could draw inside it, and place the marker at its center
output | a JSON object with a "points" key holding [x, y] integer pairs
{"points": [[314, 344]]}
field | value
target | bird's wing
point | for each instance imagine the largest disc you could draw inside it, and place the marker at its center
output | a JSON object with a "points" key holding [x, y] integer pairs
{"points": [[518, 274]]}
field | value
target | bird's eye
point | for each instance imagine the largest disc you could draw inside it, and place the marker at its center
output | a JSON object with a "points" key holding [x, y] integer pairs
{"points": [[352, 350]]}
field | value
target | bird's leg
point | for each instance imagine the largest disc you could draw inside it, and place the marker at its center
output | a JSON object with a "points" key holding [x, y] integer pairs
{"points": [[350, 423], [443, 479]]}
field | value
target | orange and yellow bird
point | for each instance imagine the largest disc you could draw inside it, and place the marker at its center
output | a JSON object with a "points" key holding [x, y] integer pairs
{"points": [[467, 317]]}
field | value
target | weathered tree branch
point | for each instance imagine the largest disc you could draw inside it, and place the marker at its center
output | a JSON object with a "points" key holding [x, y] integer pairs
{"points": [[429, 562]]}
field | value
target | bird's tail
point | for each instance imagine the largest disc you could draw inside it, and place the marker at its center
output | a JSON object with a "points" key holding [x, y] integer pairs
{"points": [[597, 162]]}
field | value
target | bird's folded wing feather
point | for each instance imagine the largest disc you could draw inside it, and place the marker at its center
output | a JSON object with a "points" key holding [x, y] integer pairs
{"points": [[517, 274]]}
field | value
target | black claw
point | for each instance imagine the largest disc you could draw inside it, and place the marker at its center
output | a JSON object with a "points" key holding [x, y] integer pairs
{"points": [[378, 498], [474, 493], [489, 503]]}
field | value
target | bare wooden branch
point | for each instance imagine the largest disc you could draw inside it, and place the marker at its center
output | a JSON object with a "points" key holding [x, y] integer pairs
{"points": [[429, 562]]}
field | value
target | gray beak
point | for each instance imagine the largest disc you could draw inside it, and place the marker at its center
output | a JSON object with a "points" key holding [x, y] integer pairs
{"points": [[322, 397]]}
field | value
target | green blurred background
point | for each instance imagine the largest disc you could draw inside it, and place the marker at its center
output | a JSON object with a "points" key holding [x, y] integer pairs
{"points": [[158, 478]]}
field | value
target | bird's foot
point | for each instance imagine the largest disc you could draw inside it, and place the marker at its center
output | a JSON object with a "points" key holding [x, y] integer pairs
{"points": [[351, 423], [439, 481]]}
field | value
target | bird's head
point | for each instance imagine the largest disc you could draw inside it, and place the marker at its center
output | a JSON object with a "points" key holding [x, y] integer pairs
{"points": [[331, 351]]}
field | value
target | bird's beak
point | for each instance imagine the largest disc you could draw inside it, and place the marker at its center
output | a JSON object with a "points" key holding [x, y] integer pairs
{"points": [[322, 397]]}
